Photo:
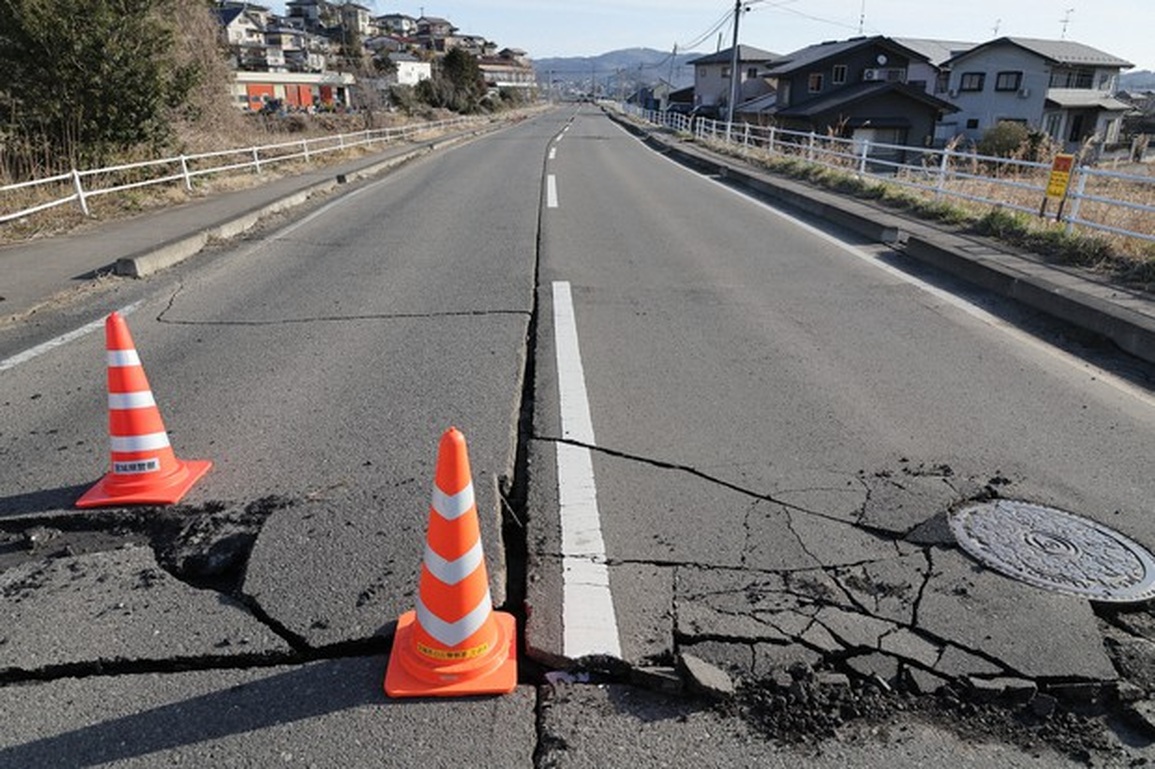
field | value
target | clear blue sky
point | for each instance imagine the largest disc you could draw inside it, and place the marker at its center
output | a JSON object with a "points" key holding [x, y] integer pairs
{"points": [[545, 28]]}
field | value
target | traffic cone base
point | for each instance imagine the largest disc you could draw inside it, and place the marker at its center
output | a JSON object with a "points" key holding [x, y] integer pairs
{"points": [[113, 489], [493, 672], [144, 470], [454, 643]]}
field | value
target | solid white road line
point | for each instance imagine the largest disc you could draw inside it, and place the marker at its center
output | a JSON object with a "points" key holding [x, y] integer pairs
{"points": [[63, 339], [551, 191], [589, 624]]}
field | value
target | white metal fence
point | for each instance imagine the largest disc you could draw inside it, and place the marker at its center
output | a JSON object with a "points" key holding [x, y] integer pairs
{"points": [[78, 186], [1098, 199]]}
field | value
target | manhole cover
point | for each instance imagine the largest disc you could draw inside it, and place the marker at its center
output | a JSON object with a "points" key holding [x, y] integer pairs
{"points": [[1051, 549]]}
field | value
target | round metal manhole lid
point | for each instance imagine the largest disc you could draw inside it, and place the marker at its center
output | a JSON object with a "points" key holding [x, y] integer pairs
{"points": [[1055, 550]]}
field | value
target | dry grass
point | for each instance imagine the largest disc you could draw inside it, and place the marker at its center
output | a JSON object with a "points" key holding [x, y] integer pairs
{"points": [[1124, 259]]}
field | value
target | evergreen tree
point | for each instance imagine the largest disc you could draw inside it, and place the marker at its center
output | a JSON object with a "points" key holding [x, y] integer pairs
{"points": [[88, 79]]}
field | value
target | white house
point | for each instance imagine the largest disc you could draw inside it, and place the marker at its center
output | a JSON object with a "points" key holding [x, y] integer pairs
{"points": [[1062, 87], [712, 76], [410, 69]]}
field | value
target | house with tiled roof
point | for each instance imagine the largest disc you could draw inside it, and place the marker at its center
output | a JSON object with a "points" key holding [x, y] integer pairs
{"points": [[712, 77], [858, 88], [1062, 87]]}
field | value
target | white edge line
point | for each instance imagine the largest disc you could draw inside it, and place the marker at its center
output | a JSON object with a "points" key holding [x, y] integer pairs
{"points": [[63, 339], [589, 623]]}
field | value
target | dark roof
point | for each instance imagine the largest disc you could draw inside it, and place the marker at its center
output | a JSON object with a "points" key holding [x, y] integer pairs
{"points": [[745, 53], [227, 15], [1055, 51], [852, 94], [812, 54]]}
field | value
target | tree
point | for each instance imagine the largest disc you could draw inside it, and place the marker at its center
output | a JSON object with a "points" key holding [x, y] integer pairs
{"points": [[457, 84], [91, 78]]}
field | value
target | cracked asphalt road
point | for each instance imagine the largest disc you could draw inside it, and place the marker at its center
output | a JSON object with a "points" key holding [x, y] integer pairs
{"points": [[781, 433]]}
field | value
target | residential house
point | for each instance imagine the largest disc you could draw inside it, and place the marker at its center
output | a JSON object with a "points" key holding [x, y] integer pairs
{"points": [[358, 19], [433, 33], [856, 88], [303, 51], [509, 69], [244, 27], [1062, 87], [410, 70], [316, 15], [712, 77], [929, 74], [397, 25]]}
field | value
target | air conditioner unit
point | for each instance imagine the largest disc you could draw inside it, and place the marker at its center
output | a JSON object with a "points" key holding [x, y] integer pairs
{"points": [[952, 93], [872, 74], [1025, 93]]}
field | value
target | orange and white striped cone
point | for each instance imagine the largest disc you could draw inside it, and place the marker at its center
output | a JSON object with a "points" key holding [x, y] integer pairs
{"points": [[454, 643], [144, 469]]}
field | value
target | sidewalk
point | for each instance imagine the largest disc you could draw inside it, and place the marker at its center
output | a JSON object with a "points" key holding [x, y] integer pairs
{"points": [[1125, 316], [33, 272]]}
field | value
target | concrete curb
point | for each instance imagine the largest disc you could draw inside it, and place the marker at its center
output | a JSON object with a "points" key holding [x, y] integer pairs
{"points": [[1072, 299], [156, 258]]}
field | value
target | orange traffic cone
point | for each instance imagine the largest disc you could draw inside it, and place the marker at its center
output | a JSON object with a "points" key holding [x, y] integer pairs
{"points": [[454, 643], [144, 469]]}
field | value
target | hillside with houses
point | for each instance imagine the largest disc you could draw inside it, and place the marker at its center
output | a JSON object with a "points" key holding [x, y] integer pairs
{"points": [[323, 55]]}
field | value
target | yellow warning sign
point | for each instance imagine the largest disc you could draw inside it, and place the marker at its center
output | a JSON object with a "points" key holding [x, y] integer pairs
{"points": [[457, 655], [1060, 176]]}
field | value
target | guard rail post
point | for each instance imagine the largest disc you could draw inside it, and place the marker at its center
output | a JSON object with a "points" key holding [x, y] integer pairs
{"points": [[79, 192]]}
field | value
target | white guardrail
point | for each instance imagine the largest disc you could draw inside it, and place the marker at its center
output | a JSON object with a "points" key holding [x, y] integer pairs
{"points": [[82, 185], [1097, 199]]}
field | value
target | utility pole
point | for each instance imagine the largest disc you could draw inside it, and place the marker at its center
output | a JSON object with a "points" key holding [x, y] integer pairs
{"points": [[734, 62]]}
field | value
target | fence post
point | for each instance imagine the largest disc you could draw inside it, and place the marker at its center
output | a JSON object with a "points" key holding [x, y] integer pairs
{"points": [[865, 155], [305, 149], [1073, 215], [341, 140], [943, 167], [256, 160], [184, 173], [746, 140], [79, 192], [770, 141], [810, 147]]}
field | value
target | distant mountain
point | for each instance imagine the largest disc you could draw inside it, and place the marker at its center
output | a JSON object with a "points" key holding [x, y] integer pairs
{"points": [[1142, 80], [633, 66]]}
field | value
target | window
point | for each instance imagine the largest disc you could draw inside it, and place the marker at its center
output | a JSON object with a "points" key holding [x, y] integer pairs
{"points": [[815, 82], [725, 72], [752, 73], [1009, 81], [839, 75], [942, 82], [972, 81], [973, 123]]}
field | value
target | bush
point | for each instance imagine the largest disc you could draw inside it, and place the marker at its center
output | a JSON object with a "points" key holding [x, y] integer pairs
{"points": [[1005, 140]]}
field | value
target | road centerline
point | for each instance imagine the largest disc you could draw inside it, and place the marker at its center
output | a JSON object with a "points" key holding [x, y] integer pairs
{"points": [[589, 624], [551, 191]]}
